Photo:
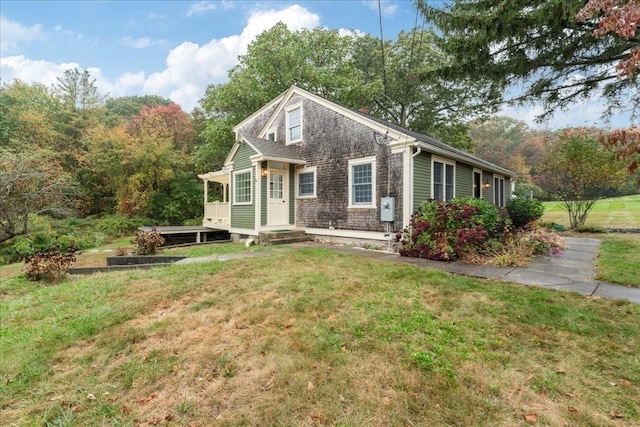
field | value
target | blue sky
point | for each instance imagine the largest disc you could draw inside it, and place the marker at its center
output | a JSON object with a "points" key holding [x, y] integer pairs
{"points": [[176, 48]]}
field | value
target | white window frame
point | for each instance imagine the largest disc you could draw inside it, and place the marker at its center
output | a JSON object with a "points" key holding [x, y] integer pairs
{"points": [[235, 186], [271, 132], [363, 161], [288, 127], [314, 171], [445, 163], [502, 197]]}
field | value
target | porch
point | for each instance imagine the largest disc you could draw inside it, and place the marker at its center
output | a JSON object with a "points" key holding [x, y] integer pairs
{"points": [[216, 212]]}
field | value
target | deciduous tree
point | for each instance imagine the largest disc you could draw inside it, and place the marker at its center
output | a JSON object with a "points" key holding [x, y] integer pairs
{"points": [[579, 171], [31, 181], [620, 17]]}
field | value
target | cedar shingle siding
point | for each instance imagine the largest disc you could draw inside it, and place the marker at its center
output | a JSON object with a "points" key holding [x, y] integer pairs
{"points": [[329, 141]]}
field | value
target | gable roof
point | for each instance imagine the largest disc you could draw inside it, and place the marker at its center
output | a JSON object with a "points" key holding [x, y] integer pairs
{"points": [[265, 149], [430, 143], [271, 150], [395, 133]]}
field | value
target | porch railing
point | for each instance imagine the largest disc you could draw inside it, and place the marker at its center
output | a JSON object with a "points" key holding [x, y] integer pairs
{"points": [[216, 212]]}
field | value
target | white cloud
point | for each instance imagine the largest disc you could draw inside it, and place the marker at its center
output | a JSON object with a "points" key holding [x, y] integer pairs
{"points": [[141, 42], [13, 33], [30, 71], [190, 67], [385, 6], [201, 7]]}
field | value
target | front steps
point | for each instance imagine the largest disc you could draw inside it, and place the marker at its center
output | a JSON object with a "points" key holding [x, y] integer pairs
{"points": [[283, 237]]}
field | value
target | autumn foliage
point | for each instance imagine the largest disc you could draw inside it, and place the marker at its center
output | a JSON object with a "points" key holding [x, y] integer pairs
{"points": [[626, 144], [621, 18]]}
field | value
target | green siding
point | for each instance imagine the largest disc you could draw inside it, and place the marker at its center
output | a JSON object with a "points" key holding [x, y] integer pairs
{"points": [[421, 179], [464, 180], [292, 194], [487, 193], [243, 216]]}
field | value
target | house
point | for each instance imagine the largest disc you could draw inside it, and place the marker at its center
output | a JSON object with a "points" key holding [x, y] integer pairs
{"points": [[302, 162]]}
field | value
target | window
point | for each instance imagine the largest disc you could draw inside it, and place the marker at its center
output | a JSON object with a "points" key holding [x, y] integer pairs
{"points": [[362, 183], [294, 125], [443, 181], [242, 187], [477, 184], [307, 182], [498, 191], [271, 135]]}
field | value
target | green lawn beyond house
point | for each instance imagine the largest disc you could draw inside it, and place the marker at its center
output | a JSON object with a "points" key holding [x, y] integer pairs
{"points": [[330, 339], [619, 212]]}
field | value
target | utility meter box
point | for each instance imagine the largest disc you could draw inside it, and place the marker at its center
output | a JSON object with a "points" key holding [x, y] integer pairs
{"points": [[387, 209]]}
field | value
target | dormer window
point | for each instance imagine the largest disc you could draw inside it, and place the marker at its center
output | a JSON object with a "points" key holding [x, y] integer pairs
{"points": [[294, 125]]}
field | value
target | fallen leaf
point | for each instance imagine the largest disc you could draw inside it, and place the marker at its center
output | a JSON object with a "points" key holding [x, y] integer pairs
{"points": [[310, 386], [341, 398], [615, 414], [91, 396], [572, 409], [625, 383], [169, 417], [530, 418]]}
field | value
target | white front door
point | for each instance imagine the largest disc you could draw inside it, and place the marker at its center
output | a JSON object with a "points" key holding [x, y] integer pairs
{"points": [[278, 208]]}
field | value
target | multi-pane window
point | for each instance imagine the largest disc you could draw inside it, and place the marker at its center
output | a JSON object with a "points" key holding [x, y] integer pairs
{"points": [[294, 125], [498, 191], [306, 184], [443, 181], [362, 182], [242, 187]]}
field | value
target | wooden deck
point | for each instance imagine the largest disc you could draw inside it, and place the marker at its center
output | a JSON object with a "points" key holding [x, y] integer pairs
{"points": [[189, 235]]}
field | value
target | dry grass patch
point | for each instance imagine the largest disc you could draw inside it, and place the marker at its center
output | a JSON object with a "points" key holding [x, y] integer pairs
{"points": [[328, 340]]}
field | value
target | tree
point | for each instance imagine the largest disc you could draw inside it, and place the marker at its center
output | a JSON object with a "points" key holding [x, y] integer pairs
{"points": [[28, 117], [399, 86], [620, 17], [534, 51], [409, 93], [626, 144], [31, 181], [579, 171], [126, 107]]}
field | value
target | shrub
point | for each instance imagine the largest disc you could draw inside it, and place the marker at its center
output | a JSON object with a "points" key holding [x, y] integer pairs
{"points": [[523, 211], [51, 265], [148, 242], [445, 231]]}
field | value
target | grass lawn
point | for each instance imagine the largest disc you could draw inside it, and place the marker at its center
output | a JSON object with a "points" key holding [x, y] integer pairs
{"points": [[329, 340], [619, 212], [619, 259]]}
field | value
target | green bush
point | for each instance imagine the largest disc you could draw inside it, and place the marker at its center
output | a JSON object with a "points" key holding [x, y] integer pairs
{"points": [[118, 225], [523, 211]]}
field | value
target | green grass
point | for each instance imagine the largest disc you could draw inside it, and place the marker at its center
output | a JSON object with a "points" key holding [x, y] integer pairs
{"points": [[619, 259], [329, 340], [619, 212]]}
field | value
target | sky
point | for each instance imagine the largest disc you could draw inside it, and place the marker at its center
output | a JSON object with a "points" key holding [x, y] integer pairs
{"points": [[176, 48]]}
